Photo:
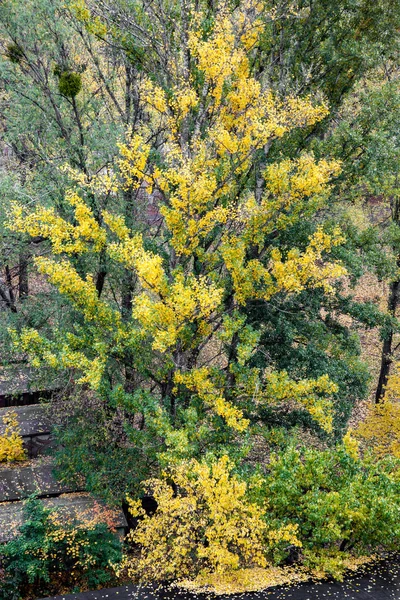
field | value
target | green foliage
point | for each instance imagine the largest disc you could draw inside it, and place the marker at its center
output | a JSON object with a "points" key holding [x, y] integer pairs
{"points": [[340, 503], [367, 138], [304, 336], [57, 71], [307, 336], [324, 511], [48, 556], [100, 445], [70, 84], [329, 47]]}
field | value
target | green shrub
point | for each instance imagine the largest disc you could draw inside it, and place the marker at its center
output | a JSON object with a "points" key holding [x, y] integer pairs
{"points": [[50, 556], [343, 505]]}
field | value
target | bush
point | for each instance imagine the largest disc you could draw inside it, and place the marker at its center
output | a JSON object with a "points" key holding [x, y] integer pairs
{"points": [[380, 431], [49, 557], [204, 529], [313, 514], [101, 449], [343, 505], [11, 443]]}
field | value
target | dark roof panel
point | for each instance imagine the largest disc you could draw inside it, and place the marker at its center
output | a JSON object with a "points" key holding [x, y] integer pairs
{"points": [[19, 483], [32, 419]]}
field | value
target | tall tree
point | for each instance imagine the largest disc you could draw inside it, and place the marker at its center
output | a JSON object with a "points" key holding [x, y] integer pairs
{"points": [[367, 138], [219, 245]]}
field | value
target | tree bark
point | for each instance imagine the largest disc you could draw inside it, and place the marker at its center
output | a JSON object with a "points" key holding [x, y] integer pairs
{"points": [[23, 281], [393, 301], [387, 358], [127, 294]]}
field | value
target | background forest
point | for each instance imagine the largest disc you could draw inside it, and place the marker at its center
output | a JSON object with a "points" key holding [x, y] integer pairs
{"points": [[200, 243]]}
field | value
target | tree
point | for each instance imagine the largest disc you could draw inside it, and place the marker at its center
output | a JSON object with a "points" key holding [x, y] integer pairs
{"points": [[308, 48], [367, 137], [51, 553], [218, 245], [182, 262]]}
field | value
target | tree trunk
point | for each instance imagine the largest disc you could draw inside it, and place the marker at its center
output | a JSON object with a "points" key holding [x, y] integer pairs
{"points": [[387, 347], [101, 273], [387, 357], [23, 281], [167, 395], [127, 294]]}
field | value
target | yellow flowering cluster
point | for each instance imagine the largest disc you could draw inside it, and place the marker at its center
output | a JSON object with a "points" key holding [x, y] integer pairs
{"points": [[293, 274], [105, 182], [208, 527], [351, 445], [198, 179], [154, 96], [130, 252], [11, 442], [61, 354], [184, 99], [188, 301], [81, 292], [294, 189], [307, 269], [133, 161]]}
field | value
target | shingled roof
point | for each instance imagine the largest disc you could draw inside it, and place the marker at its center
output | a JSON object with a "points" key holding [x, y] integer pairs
{"points": [[19, 481], [21, 384], [32, 419], [34, 425]]}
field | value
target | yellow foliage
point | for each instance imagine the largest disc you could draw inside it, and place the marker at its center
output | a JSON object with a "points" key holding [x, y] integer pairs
{"points": [[351, 445], [380, 432], [11, 442], [64, 237], [105, 182], [130, 252], [245, 580], [330, 562], [311, 394], [61, 355], [133, 161], [93, 24], [199, 381], [187, 300], [208, 528], [287, 184], [212, 241], [301, 270], [81, 292]]}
